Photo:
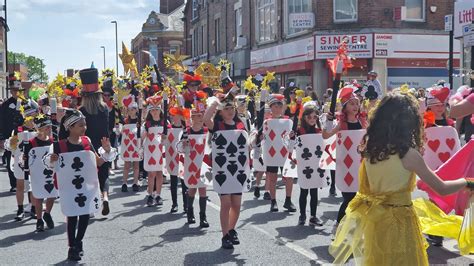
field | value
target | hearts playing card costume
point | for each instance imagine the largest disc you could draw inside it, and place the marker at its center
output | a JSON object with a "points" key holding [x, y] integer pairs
{"points": [[329, 155], [171, 152], [230, 162], [130, 146], [275, 143], [441, 143], [193, 160], [309, 150], [348, 159], [78, 184], [41, 178], [153, 150]]}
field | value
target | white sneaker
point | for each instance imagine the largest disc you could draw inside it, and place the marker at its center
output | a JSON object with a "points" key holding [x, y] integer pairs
{"points": [[27, 209]]}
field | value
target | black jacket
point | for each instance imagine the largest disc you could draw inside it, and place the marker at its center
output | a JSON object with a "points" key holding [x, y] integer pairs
{"points": [[10, 118]]}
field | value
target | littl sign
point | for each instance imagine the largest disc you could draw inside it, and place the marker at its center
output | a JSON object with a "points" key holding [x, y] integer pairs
{"points": [[360, 45], [463, 15]]}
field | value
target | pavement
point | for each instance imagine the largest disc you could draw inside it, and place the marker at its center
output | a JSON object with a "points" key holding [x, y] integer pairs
{"points": [[133, 234]]}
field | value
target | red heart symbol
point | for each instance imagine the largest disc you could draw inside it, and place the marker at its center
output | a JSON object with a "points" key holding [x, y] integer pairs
{"points": [[192, 180], [126, 154], [440, 94], [451, 143], [126, 141], [135, 155], [199, 148], [444, 156], [152, 148], [161, 160], [131, 136], [434, 145], [151, 136], [192, 155], [134, 142], [131, 148], [192, 142], [126, 131], [152, 161], [127, 101], [192, 168]]}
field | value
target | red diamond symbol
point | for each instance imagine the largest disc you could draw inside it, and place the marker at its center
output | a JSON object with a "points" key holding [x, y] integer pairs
{"points": [[348, 179], [171, 151], [272, 135], [283, 152], [271, 151], [171, 164], [348, 161], [283, 134], [329, 160], [333, 146], [171, 137], [348, 143]]}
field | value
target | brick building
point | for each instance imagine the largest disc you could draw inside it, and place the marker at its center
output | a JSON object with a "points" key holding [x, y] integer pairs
{"points": [[403, 40], [161, 33]]}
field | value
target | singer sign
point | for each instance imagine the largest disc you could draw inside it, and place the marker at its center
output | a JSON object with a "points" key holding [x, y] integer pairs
{"points": [[360, 45]]}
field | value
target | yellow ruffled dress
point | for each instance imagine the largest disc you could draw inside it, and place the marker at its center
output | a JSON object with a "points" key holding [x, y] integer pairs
{"points": [[381, 226]]}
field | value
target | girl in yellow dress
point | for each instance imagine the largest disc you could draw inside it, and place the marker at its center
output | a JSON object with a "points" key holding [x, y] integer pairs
{"points": [[381, 226]]}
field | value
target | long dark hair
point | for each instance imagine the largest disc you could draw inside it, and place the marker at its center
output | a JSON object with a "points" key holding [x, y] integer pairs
{"points": [[149, 117], [307, 112], [394, 127]]}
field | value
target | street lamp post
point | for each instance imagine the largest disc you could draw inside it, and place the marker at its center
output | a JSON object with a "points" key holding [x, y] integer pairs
{"points": [[116, 48], [42, 66], [103, 47]]}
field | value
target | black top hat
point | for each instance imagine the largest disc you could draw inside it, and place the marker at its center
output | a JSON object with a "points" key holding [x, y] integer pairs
{"points": [[107, 86], [371, 94], [90, 80], [13, 82]]}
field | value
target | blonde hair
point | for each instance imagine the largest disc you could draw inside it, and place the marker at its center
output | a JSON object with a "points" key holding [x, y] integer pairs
{"points": [[93, 103]]}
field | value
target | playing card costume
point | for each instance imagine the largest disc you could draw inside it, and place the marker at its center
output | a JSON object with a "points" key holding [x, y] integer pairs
{"points": [[130, 146], [152, 144], [437, 96]]}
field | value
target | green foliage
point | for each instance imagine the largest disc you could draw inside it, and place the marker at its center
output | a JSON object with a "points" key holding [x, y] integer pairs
{"points": [[36, 68]]}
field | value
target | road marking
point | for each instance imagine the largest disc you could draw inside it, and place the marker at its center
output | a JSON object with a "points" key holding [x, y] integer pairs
{"points": [[309, 254]]}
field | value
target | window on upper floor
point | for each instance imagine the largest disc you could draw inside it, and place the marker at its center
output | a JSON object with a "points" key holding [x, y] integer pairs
{"points": [[238, 23], [217, 34], [415, 10], [345, 10], [195, 9], [296, 14], [266, 22]]}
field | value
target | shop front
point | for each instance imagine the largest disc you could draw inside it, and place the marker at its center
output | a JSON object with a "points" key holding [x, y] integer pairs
{"points": [[464, 31], [291, 62]]}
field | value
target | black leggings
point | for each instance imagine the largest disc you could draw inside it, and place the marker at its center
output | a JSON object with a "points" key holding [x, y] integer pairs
{"points": [[74, 238], [11, 175], [333, 179], [313, 203], [174, 190], [103, 174], [348, 196]]}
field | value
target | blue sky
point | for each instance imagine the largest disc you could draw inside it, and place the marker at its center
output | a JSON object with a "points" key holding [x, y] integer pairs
{"points": [[69, 33]]}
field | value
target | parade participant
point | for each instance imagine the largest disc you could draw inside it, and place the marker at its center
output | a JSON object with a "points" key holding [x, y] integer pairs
{"points": [[192, 180], [381, 225], [242, 112], [72, 94], [132, 120], [372, 80], [277, 106], [435, 114], [178, 117], [97, 115], [10, 120], [43, 125], [152, 145], [350, 118], [222, 116], [193, 81], [75, 124], [309, 124], [259, 168], [462, 108]]}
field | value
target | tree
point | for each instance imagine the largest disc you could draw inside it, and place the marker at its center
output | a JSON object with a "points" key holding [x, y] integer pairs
{"points": [[36, 67]]}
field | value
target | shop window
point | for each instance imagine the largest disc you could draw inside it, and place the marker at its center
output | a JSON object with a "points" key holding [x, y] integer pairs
{"points": [[415, 10], [345, 10], [217, 37], [238, 23], [294, 7], [266, 20]]}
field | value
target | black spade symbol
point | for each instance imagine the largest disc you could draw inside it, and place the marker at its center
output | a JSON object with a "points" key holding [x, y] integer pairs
{"points": [[241, 141], [220, 159], [49, 186], [241, 177], [300, 144], [47, 173], [308, 171], [242, 158], [220, 178], [232, 167], [231, 149], [220, 142]]}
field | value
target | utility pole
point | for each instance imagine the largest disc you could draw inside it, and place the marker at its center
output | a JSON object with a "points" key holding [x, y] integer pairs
{"points": [[103, 47], [116, 48]]}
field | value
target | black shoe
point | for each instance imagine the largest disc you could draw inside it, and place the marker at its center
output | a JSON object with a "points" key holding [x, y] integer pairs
{"points": [[79, 248], [289, 206], [73, 254], [274, 206], [149, 201], [256, 192], [135, 188], [437, 241], [234, 237], [105, 208], [20, 215], [301, 220], [266, 196], [124, 188], [203, 221], [191, 219], [227, 243], [39, 226], [159, 201], [315, 221], [332, 192], [33, 212], [13, 189], [185, 210], [174, 209], [49, 220]]}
